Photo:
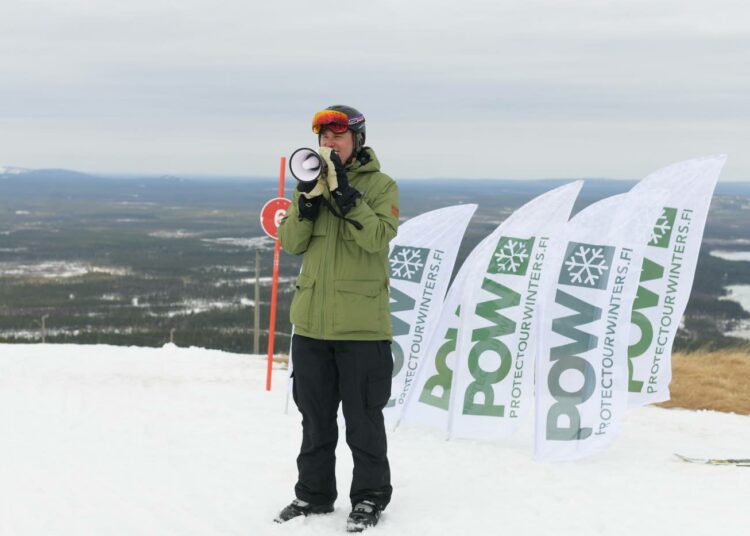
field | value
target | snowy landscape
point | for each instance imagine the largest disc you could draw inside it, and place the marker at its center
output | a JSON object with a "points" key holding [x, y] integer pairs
{"points": [[185, 441], [737, 293], [147, 260], [140, 286]]}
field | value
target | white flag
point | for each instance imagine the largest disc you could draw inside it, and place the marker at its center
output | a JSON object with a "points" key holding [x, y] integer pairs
{"points": [[667, 274], [429, 399], [421, 263], [493, 350], [492, 387], [581, 373]]}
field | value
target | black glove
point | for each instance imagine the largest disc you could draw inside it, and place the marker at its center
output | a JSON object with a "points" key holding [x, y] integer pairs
{"points": [[341, 190], [309, 199], [308, 207], [306, 186]]}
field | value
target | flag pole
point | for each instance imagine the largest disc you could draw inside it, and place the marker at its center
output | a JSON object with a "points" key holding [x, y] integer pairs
{"points": [[275, 284]]}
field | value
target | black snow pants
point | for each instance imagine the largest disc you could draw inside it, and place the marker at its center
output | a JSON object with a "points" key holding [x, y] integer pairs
{"points": [[357, 374]]}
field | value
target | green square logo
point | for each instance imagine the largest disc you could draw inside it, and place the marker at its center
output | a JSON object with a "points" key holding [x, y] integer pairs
{"points": [[662, 231], [586, 265], [408, 263], [511, 256]]}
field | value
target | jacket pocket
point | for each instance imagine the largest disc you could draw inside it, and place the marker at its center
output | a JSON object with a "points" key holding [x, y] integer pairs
{"points": [[357, 306], [300, 311], [379, 387]]}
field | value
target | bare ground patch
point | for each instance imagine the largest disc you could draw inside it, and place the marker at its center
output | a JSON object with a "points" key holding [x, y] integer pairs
{"points": [[717, 381]]}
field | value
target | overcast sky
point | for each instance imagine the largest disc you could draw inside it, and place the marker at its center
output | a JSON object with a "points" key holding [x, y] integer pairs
{"points": [[506, 89]]}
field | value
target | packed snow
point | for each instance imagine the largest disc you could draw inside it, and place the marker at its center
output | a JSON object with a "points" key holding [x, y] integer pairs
{"points": [[170, 441]]}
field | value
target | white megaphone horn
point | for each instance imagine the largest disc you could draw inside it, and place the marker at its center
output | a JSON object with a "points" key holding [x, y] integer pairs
{"points": [[306, 165]]}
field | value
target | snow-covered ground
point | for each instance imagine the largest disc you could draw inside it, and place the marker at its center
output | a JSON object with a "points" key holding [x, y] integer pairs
{"points": [[256, 242], [741, 295], [103, 440], [731, 255], [10, 170], [737, 293], [179, 233], [57, 269]]}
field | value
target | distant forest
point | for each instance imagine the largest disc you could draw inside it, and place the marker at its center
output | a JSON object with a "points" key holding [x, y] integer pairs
{"points": [[142, 261]]}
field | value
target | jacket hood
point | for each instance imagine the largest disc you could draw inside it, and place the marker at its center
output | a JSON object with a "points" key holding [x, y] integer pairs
{"points": [[369, 167]]}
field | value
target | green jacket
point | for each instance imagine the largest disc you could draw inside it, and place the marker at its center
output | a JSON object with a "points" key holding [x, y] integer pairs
{"points": [[342, 290]]}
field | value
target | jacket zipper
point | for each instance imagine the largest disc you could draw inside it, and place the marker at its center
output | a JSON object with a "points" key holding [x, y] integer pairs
{"points": [[329, 240]]}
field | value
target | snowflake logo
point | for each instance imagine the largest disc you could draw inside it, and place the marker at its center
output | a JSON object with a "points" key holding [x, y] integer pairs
{"points": [[662, 231], [587, 265], [511, 256], [408, 263]]}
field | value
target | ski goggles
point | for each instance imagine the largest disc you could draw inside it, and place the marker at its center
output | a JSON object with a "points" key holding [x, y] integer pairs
{"points": [[335, 121]]}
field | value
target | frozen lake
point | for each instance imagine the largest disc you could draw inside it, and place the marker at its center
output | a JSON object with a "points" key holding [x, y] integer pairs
{"points": [[741, 295], [731, 255], [737, 293]]}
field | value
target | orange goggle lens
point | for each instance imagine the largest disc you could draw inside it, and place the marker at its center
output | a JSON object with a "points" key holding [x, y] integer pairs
{"points": [[335, 121]]}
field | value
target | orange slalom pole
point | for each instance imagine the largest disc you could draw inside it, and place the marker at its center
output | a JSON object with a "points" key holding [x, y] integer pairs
{"points": [[275, 284]]}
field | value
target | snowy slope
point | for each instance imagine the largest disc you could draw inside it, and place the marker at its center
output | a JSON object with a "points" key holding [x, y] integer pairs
{"points": [[102, 440]]}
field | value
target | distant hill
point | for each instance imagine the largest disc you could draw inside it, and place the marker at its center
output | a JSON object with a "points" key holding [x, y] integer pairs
{"points": [[8, 172], [163, 253], [595, 187]]}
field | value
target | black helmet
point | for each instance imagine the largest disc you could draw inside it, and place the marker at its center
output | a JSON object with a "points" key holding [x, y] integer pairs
{"points": [[356, 118], [356, 125]]}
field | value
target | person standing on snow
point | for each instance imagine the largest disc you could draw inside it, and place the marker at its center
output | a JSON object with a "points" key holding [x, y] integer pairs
{"points": [[341, 351]]}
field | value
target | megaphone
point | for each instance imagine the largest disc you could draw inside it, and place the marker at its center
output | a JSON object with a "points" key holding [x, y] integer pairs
{"points": [[306, 165]]}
